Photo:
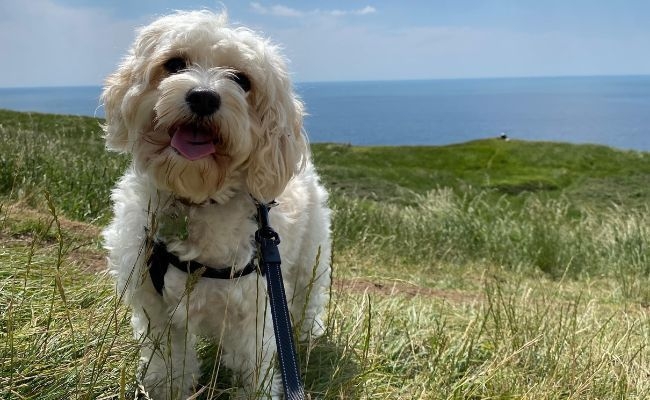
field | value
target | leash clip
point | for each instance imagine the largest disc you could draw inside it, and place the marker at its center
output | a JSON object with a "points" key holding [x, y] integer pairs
{"points": [[266, 237]]}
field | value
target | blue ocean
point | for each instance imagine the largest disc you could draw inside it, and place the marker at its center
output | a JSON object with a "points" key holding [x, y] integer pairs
{"points": [[613, 111]]}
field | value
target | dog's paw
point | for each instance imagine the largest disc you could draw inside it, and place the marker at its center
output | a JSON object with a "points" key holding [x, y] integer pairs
{"points": [[311, 329]]}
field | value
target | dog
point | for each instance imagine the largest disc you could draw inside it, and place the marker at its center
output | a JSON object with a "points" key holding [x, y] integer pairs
{"points": [[213, 126]]}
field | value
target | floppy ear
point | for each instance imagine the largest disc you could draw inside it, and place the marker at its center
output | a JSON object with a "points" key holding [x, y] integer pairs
{"points": [[115, 89], [282, 149]]}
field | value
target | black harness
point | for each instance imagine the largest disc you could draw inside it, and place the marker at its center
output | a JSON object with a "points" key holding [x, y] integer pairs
{"points": [[269, 262], [161, 258]]}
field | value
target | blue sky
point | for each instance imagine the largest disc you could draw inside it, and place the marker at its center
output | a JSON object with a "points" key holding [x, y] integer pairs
{"points": [[78, 42]]}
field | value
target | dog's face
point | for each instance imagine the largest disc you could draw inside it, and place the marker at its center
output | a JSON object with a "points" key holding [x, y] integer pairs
{"points": [[206, 109]]}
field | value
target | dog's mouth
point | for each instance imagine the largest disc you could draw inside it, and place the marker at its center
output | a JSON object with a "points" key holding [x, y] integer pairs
{"points": [[193, 141]]}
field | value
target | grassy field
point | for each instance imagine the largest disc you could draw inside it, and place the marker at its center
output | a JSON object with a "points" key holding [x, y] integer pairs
{"points": [[483, 270]]}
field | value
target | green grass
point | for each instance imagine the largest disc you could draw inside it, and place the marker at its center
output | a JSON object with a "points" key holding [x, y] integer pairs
{"points": [[589, 174], [483, 270], [64, 156]]}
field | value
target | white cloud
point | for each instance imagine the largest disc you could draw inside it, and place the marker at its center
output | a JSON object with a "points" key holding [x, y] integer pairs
{"points": [[279, 10], [276, 10], [363, 11], [366, 10]]}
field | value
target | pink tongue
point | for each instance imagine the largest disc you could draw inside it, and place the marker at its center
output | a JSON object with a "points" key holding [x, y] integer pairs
{"points": [[192, 143]]}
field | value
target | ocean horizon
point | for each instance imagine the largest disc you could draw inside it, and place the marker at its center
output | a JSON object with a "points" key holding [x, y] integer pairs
{"points": [[607, 110]]}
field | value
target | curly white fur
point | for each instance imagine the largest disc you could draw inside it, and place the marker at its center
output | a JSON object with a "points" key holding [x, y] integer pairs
{"points": [[203, 209]]}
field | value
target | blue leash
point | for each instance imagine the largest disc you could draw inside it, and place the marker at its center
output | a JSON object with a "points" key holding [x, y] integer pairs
{"points": [[269, 262]]}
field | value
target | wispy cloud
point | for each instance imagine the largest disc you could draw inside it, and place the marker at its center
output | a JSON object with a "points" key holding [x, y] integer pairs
{"points": [[280, 10], [362, 11], [277, 10]]}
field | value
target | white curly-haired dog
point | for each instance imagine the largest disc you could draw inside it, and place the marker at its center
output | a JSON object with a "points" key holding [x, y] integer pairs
{"points": [[213, 125]]}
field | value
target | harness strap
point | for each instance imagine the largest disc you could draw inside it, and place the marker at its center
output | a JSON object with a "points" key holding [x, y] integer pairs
{"points": [[161, 258]]}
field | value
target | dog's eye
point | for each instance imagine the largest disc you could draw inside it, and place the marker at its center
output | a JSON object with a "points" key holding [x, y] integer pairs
{"points": [[174, 65], [242, 80]]}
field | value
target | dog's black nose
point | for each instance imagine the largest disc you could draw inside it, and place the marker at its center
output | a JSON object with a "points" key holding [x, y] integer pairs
{"points": [[202, 101]]}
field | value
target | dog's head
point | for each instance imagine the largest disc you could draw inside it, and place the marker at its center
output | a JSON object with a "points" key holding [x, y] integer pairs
{"points": [[205, 108]]}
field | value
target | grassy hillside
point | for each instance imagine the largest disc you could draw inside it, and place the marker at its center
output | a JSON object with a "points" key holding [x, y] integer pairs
{"points": [[487, 269], [588, 174]]}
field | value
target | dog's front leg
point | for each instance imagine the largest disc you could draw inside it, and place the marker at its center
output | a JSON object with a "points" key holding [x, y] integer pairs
{"points": [[249, 350], [169, 365]]}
